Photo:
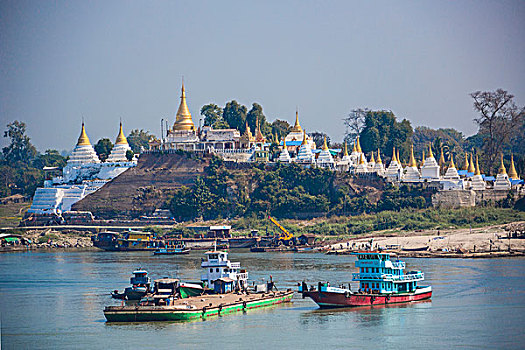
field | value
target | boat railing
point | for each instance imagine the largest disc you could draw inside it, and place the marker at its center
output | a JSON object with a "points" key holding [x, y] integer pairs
{"points": [[399, 264], [388, 277], [235, 265]]}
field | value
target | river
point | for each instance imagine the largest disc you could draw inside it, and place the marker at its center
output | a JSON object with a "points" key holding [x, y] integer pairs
{"points": [[54, 300]]}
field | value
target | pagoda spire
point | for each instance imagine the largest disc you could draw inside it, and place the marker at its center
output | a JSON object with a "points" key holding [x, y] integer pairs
{"points": [[471, 167], [379, 161], [304, 138], [412, 162], [372, 160], [441, 158], [345, 154], [183, 119], [258, 134], [359, 146], [465, 163], [354, 149], [394, 155], [477, 170], [512, 170], [398, 157], [502, 169], [121, 139], [361, 160], [83, 140], [284, 143], [325, 146], [430, 155], [451, 165], [297, 126]]}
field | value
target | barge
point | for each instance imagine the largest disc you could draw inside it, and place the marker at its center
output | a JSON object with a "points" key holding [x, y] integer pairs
{"points": [[381, 281]]}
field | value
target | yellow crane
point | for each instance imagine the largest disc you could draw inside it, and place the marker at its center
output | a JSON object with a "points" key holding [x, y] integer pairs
{"points": [[285, 237]]}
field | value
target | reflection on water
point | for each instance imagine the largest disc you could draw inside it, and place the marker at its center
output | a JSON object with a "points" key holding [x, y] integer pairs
{"points": [[55, 300]]}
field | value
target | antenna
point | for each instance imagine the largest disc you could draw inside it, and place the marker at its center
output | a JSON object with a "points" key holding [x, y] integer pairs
{"points": [[162, 128]]}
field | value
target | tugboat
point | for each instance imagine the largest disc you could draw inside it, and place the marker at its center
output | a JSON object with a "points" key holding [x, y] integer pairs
{"points": [[381, 281], [177, 250], [140, 286], [227, 293]]}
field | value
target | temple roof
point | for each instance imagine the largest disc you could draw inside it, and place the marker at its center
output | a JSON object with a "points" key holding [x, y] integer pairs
{"points": [[83, 140], [183, 119]]}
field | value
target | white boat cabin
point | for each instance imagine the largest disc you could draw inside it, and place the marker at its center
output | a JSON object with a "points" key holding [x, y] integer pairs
{"points": [[216, 266]]}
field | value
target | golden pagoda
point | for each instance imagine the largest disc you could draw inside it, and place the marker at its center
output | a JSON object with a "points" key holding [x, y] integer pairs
{"points": [[297, 126], [325, 146], [354, 150], [359, 146], [284, 143], [379, 161], [372, 160], [471, 168], [477, 171], [394, 155], [430, 155], [258, 134], [121, 139], [513, 174], [345, 154], [361, 159], [398, 157], [83, 140], [412, 162], [451, 164], [304, 138], [183, 119], [465, 163], [502, 169]]}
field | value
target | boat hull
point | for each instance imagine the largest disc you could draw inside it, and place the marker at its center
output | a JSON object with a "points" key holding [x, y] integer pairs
{"points": [[333, 300], [166, 313]]}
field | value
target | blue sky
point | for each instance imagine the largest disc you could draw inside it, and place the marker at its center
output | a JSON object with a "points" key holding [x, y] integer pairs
{"points": [[105, 60]]}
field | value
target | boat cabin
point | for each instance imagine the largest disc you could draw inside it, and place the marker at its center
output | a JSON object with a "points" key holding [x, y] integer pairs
{"points": [[216, 265], [140, 278], [378, 274]]}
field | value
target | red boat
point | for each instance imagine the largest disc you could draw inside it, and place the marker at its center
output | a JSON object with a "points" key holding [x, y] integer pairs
{"points": [[381, 281]]}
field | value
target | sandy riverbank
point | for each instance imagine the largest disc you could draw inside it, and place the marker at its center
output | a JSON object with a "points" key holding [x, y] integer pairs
{"points": [[464, 241]]}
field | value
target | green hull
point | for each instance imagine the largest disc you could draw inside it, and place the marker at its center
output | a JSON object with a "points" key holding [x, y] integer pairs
{"points": [[162, 313], [186, 292]]}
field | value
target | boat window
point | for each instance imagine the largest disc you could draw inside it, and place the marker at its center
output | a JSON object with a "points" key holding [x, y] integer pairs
{"points": [[211, 270], [226, 270], [217, 270]]}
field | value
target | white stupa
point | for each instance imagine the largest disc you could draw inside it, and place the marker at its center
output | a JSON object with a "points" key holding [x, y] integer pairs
{"points": [[378, 166], [452, 172], [502, 179], [118, 153], [361, 166], [325, 159], [411, 171], [393, 172], [430, 169], [477, 183], [372, 163], [297, 133], [305, 155], [284, 157], [83, 152]]}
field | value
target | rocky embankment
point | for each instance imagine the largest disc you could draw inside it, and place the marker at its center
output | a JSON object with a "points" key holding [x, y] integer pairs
{"points": [[50, 239]]}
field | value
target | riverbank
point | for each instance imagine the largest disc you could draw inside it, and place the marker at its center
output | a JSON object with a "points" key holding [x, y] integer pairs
{"points": [[484, 242]]}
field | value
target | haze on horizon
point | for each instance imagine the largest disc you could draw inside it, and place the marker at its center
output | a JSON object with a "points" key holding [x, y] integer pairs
{"points": [[61, 61]]}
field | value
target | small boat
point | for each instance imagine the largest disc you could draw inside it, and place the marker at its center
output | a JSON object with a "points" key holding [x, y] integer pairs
{"points": [[179, 249], [416, 249], [381, 281], [140, 286]]}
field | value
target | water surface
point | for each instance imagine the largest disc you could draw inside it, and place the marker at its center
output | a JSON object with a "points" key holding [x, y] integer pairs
{"points": [[54, 300]]}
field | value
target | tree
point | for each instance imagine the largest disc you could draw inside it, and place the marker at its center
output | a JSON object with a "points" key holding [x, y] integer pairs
{"points": [[211, 113], [235, 115], [139, 140], [499, 121], [129, 155], [50, 158], [256, 113], [20, 149], [318, 138], [355, 122], [281, 127], [103, 148]]}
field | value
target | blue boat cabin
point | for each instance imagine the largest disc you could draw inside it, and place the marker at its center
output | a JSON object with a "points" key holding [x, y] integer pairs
{"points": [[379, 274]]}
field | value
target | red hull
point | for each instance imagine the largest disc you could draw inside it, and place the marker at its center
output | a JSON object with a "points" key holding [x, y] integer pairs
{"points": [[330, 299]]}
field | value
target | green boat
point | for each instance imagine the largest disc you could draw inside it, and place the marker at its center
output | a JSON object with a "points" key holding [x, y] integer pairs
{"points": [[197, 307]]}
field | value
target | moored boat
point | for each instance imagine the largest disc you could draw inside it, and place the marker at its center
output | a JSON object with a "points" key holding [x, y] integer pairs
{"points": [[177, 250], [381, 281], [140, 286]]}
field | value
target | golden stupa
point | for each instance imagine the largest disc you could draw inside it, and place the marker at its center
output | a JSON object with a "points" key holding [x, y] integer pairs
{"points": [[379, 161], [183, 119], [513, 174], [502, 169], [297, 126], [412, 163], [325, 146], [477, 171], [83, 140], [471, 167], [121, 139]]}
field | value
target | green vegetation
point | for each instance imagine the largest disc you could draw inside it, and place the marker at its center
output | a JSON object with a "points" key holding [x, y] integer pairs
{"points": [[12, 213], [139, 140], [103, 148], [288, 191]]}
